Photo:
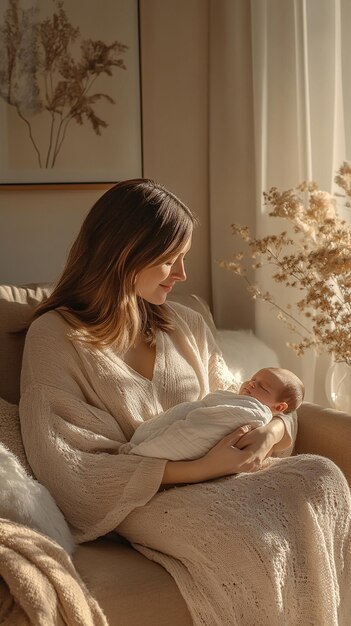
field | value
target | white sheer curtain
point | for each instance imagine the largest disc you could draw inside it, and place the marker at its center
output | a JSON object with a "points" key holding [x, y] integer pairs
{"points": [[301, 83]]}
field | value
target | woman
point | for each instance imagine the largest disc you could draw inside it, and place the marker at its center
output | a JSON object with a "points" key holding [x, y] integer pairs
{"points": [[107, 352]]}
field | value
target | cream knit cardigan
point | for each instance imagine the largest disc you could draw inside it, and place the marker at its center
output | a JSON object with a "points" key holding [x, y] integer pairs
{"points": [[267, 549]]}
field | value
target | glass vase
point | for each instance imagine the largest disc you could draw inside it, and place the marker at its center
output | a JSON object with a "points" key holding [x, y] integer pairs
{"points": [[338, 386]]}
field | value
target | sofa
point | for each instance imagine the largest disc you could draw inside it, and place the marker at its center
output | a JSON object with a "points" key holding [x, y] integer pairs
{"points": [[130, 589]]}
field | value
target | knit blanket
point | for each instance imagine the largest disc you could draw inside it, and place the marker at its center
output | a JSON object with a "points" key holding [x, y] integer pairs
{"points": [[39, 585], [190, 429], [278, 552]]}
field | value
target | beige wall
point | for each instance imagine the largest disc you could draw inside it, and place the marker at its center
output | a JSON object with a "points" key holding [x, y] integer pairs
{"points": [[174, 49], [38, 227], [36, 230]]}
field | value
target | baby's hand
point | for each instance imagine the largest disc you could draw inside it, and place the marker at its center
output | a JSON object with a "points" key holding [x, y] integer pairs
{"points": [[226, 458], [259, 441]]}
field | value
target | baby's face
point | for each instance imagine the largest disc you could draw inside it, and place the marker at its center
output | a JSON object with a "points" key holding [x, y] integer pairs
{"points": [[265, 386]]}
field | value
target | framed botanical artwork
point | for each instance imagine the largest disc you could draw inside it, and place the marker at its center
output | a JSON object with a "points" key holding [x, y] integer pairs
{"points": [[70, 102]]}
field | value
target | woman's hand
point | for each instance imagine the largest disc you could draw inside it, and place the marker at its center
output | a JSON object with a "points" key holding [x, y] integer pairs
{"points": [[224, 459], [261, 440]]}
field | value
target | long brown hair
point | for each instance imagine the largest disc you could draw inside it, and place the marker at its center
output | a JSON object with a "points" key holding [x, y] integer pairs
{"points": [[135, 224]]}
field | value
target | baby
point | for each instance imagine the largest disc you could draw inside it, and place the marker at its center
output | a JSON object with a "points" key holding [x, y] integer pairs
{"points": [[188, 430]]}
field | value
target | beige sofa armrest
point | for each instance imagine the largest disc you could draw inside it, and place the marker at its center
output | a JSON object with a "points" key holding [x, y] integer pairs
{"points": [[326, 432]]}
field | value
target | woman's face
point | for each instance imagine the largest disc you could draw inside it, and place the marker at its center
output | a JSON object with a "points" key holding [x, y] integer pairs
{"points": [[154, 283]]}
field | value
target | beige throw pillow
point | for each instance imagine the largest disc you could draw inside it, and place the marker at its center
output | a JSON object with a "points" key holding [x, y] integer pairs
{"points": [[10, 432], [16, 305]]}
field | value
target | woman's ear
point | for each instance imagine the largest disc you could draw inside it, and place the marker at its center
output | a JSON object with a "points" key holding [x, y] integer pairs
{"points": [[281, 407]]}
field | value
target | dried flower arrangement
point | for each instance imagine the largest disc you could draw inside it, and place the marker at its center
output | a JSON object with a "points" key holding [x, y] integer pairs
{"points": [[42, 74], [315, 263]]}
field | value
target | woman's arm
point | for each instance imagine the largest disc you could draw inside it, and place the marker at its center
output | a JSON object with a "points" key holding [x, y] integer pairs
{"points": [[224, 459], [265, 440]]}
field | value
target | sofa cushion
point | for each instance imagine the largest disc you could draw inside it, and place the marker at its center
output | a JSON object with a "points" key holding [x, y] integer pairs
{"points": [[130, 589], [16, 304], [245, 353]]}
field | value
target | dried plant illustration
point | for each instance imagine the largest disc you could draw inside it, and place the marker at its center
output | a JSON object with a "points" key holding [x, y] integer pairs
{"points": [[41, 74], [314, 262]]}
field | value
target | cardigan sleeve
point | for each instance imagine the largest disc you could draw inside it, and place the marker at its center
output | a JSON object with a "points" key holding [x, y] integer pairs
{"points": [[73, 445]]}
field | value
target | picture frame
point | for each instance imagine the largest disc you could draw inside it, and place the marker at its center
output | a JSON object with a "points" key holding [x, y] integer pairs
{"points": [[70, 93]]}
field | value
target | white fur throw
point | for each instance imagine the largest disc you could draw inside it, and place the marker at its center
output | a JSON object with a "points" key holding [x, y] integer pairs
{"points": [[25, 501]]}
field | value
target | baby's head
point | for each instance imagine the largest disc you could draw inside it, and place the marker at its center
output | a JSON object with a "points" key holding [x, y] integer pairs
{"points": [[279, 389]]}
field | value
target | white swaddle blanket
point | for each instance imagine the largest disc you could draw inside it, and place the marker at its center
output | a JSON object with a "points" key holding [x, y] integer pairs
{"points": [[188, 430]]}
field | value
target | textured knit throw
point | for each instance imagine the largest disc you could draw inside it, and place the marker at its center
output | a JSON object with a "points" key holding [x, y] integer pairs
{"points": [[271, 548], [39, 585]]}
